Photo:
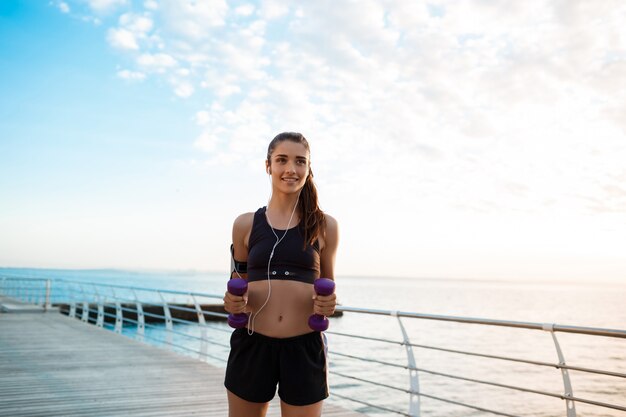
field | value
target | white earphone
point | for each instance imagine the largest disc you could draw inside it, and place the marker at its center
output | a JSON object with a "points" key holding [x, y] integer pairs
{"points": [[252, 316]]}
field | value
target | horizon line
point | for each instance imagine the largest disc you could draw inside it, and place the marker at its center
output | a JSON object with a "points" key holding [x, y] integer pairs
{"points": [[366, 276]]}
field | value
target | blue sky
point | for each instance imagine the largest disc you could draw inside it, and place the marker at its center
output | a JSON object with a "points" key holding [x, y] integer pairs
{"points": [[450, 139]]}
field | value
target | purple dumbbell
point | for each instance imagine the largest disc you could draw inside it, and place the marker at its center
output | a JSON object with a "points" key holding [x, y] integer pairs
{"points": [[322, 286], [237, 286]]}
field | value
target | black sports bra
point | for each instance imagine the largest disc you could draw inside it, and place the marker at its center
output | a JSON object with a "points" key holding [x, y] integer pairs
{"points": [[289, 262]]}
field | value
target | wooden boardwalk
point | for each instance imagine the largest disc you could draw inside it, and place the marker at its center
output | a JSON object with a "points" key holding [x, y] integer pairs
{"points": [[52, 365]]}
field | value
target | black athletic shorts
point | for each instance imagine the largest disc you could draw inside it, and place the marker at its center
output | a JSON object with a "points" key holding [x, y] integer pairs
{"points": [[258, 363]]}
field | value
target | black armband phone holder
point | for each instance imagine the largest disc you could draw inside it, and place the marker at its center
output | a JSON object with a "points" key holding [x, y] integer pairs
{"points": [[236, 266]]}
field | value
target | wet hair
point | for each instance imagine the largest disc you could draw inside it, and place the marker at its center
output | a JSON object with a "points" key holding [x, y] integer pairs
{"points": [[311, 216]]}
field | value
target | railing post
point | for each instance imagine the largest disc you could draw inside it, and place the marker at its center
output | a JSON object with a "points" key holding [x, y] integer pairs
{"points": [[100, 318], [119, 316], [570, 406], [72, 312], [85, 315], [202, 323], [140, 318], [168, 318], [47, 305], [414, 399]]}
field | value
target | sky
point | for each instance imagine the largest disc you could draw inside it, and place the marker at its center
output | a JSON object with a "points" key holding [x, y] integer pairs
{"points": [[450, 139]]}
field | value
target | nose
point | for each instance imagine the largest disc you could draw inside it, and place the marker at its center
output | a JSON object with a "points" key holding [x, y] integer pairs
{"points": [[290, 168]]}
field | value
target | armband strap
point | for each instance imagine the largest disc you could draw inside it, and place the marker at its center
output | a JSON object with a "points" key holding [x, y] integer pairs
{"points": [[237, 266]]}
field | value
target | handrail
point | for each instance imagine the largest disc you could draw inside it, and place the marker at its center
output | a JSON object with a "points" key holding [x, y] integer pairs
{"points": [[593, 331], [104, 295], [484, 355], [130, 287]]}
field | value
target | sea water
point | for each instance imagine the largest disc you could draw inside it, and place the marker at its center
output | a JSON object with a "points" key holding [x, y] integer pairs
{"points": [[579, 304]]}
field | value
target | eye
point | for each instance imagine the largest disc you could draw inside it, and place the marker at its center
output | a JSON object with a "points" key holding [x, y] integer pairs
{"points": [[301, 162], [280, 160]]}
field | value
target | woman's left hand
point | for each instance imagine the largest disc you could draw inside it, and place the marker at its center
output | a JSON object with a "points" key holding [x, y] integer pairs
{"points": [[324, 304]]}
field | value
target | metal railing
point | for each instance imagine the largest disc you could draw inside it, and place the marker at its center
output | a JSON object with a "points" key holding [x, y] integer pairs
{"points": [[132, 310]]}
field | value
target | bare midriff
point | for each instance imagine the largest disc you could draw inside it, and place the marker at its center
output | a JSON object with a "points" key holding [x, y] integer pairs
{"points": [[287, 312]]}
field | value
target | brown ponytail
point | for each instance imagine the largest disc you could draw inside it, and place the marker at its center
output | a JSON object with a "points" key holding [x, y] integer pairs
{"points": [[311, 216]]}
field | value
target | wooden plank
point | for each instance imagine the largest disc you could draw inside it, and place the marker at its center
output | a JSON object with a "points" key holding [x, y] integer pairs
{"points": [[53, 365]]}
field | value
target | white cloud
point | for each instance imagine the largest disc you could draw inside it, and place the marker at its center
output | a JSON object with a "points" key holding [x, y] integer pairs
{"points": [[227, 90], [206, 142], [202, 117], [131, 75], [183, 89], [131, 29], [91, 19], [151, 5], [105, 5], [156, 62], [274, 9], [193, 20], [135, 23], [122, 39], [64, 7], [244, 10]]}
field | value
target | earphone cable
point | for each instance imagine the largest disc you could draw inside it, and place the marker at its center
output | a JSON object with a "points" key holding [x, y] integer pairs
{"points": [[253, 316]]}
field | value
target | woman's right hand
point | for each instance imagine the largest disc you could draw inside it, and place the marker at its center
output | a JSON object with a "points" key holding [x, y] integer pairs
{"points": [[234, 303]]}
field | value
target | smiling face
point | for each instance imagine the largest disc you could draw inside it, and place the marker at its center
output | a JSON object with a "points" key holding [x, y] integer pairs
{"points": [[288, 166]]}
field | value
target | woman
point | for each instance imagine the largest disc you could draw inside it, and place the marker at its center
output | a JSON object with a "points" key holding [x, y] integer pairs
{"points": [[286, 246]]}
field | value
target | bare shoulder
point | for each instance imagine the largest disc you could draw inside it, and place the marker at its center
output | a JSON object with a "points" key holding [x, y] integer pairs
{"points": [[331, 223], [243, 221], [242, 227], [241, 234], [331, 232]]}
